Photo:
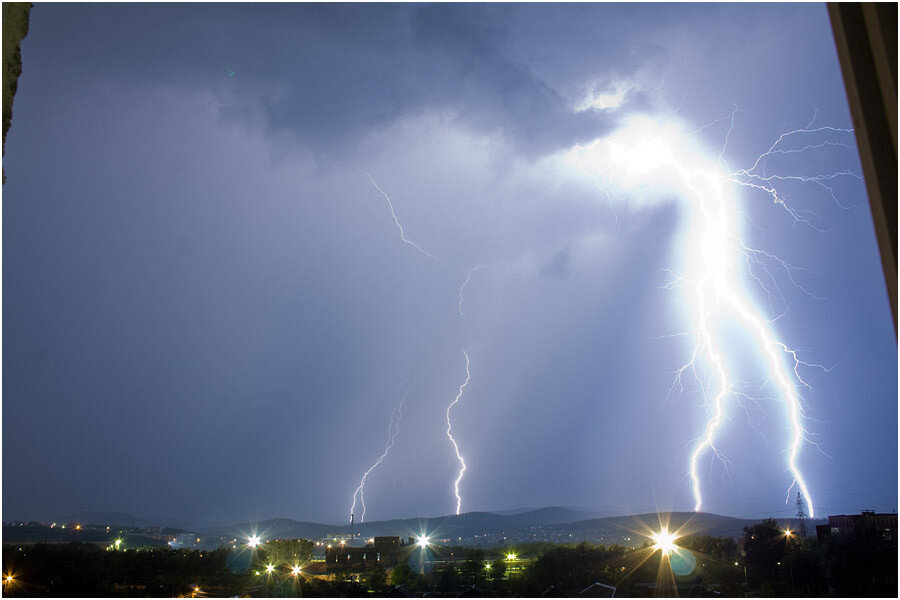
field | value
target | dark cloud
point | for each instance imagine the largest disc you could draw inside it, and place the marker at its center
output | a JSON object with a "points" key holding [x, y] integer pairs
{"points": [[329, 74]]}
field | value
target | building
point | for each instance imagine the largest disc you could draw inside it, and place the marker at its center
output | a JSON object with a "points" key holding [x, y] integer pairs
{"points": [[384, 551], [843, 524]]}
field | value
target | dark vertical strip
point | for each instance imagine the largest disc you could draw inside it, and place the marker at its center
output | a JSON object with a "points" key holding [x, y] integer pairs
{"points": [[866, 39]]}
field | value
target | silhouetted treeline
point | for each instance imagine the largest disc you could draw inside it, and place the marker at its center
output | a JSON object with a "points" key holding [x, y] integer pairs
{"points": [[767, 561], [84, 570]]}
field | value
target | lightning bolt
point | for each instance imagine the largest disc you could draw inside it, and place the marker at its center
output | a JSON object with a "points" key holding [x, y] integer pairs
{"points": [[462, 463], [397, 413], [403, 237], [393, 430], [463, 286], [724, 263]]}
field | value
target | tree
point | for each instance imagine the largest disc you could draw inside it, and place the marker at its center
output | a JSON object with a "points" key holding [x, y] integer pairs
{"points": [[448, 579], [498, 570], [376, 579], [473, 568], [403, 575], [765, 546]]}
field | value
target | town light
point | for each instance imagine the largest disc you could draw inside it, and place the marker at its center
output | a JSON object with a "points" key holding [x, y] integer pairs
{"points": [[253, 541], [665, 541], [422, 541]]}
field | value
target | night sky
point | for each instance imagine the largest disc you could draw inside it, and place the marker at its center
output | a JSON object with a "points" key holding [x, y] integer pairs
{"points": [[209, 311]]}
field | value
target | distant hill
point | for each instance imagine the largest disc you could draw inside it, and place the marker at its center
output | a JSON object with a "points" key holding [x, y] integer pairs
{"points": [[513, 511], [450, 526], [688, 523], [553, 522], [274, 529], [120, 519]]}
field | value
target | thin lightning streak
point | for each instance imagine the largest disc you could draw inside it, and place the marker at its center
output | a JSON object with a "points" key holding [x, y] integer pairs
{"points": [[463, 286], [462, 462], [397, 221], [393, 430]]}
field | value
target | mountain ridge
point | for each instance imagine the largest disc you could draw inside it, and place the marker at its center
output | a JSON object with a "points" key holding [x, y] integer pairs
{"points": [[549, 522]]}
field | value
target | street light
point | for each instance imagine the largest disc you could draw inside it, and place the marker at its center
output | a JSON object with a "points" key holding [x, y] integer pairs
{"points": [[253, 541], [270, 568], [422, 542], [664, 541], [295, 570]]}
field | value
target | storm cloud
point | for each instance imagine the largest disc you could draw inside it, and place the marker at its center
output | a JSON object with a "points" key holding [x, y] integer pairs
{"points": [[208, 308]]}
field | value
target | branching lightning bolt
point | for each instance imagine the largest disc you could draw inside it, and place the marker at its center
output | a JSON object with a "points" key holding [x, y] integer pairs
{"points": [[717, 284], [403, 237], [393, 430], [462, 462]]}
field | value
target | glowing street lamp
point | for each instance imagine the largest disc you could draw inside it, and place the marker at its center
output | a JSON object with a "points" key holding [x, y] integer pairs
{"points": [[422, 541], [270, 568], [253, 541], [510, 556], [295, 570]]}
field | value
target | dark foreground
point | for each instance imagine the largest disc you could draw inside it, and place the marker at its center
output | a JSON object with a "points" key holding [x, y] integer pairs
{"points": [[765, 562]]}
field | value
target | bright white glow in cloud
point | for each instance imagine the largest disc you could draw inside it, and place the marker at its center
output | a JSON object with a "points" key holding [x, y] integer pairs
{"points": [[605, 97]]}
